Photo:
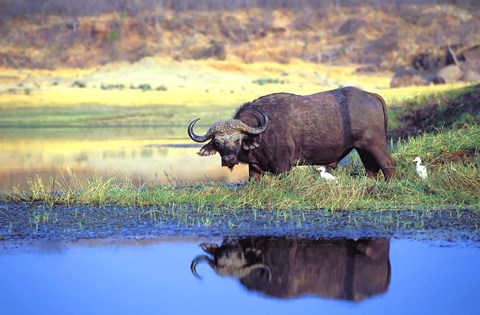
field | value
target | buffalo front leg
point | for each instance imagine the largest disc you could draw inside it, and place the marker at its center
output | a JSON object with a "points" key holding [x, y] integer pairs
{"points": [[254, 172]]}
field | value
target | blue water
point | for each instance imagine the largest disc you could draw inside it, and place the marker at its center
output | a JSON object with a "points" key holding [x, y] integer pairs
{"points": [[154, 277]]}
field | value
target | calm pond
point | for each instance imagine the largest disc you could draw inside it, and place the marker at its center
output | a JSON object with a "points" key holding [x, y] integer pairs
{"points": [[251, 275]]}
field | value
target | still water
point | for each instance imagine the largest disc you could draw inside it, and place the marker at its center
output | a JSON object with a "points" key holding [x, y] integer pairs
{"points": [[250, 275], [139, 155]]}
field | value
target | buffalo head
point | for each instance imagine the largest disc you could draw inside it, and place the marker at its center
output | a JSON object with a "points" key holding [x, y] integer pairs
{"points": [[228, 137], [232, 261]]}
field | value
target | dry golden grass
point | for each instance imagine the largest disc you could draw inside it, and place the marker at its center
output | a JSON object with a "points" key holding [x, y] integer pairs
{"points": [[189, 83], [192, 83]]}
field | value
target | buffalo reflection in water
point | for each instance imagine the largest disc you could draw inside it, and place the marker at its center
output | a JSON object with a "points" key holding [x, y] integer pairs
{"points": [[288, 267]]}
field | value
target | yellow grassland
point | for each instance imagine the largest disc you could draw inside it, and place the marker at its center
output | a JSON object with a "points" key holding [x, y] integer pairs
{"points": [[193, 83]]}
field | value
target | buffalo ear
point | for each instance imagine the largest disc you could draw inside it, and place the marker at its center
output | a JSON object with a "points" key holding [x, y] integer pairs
{"points": [[207, 149], [209, 248], [250, 143]]}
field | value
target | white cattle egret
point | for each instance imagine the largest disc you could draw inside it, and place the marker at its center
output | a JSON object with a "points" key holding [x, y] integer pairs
{"points": [[421, 169], [325, 175]]}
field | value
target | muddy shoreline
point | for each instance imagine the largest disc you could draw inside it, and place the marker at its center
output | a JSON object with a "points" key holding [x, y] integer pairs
{"points": [[25, 223]]}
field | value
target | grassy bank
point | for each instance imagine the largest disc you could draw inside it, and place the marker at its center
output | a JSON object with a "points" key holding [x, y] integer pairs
{"points": [[452, 158], [429, 112]]}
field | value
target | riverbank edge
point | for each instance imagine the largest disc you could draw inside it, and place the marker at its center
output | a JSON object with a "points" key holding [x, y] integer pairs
{"points": [[23, 224]]}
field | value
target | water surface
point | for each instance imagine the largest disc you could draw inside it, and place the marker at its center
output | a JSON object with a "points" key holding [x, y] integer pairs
{"points": [[379, 276], [140, 155]]}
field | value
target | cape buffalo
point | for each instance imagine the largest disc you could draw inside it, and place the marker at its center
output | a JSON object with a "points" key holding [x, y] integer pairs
{"points": [[281, 130], [285, 267]]}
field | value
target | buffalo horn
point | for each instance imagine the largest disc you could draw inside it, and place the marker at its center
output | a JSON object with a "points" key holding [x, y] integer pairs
{"points": [[193, 265], [195, 137], [251, 268], [255, 131]]}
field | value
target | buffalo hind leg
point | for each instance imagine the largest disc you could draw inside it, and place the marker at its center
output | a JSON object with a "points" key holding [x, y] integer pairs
{"points": [[384, 161], [369, 162]]}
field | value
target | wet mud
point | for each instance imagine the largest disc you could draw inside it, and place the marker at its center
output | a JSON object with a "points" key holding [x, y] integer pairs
{"points": [[24, 223]]}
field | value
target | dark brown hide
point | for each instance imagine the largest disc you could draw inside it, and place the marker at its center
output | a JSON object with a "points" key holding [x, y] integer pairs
{"points": [[336, 268], [317, 129]]}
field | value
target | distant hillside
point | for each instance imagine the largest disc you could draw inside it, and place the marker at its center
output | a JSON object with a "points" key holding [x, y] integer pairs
{"points": [[383, 35]]}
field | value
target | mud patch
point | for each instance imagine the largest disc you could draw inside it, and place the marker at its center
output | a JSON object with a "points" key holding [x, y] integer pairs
{"points": [[459, 156], [23, 223]]}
